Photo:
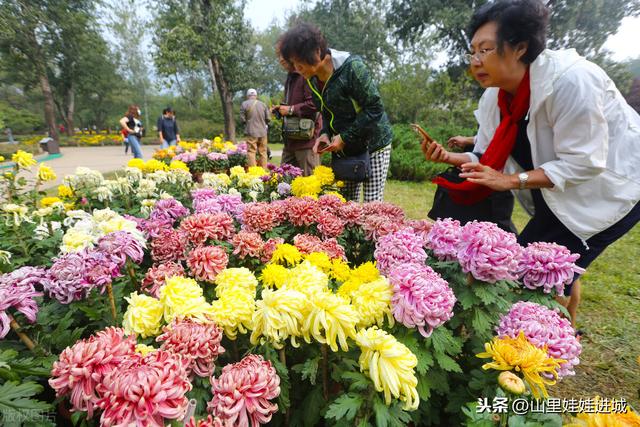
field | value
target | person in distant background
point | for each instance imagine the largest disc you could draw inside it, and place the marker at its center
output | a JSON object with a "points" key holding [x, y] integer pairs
{"points": [[133, 126], [168, 131], [255, 115]]}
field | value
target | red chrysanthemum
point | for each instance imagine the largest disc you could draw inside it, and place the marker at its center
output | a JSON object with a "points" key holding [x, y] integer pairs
{"points": [[208, 422], [197, 343], [351, 213], [145, 391], [302, 211], [156, 276], [307, 243], [392, 212], [170, 245], [330, 202], [246, 244], [204, 226], [329, 224], [206, 262], [376, 226], [259, 217], [242, 393], [81, 367], [334, 249]]}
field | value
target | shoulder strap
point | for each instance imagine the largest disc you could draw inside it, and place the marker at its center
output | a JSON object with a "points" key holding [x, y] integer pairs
{"points": [[252, 105]]}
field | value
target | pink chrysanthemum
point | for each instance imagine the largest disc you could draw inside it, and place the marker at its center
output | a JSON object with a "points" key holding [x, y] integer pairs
{"points": [[392, 212], [197, 343], [302, 211], [156, 276], [307, 243], [17, 291], [543, 326], [242, 393], [65, 279], [443, 239], [421, 227], [247, 244], [153, 228], [488, 252], [258, 217], [334, 249], [208, 206], [200, 194], [208, 422], [202, 227], [376, 226], [145, 391], [401, 247], [329, 224], [269, 247], [279, 208], [170, 245], [120, 245], [99, 269], [330, 202], [81, 367], [231, 204], [421, 298], [205, 262], [547, 266], [352, 213], [168, 209]]}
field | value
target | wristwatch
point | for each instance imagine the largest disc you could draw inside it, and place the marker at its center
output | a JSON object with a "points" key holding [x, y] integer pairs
{"points": [[523, 178], [290, 110]]}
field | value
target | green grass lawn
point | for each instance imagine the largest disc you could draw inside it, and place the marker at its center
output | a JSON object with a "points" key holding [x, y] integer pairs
{"points": [[609, 312]]}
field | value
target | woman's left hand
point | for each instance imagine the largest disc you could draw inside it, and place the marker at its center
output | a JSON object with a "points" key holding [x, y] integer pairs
{"points": [[485, 175], [337, 144]]}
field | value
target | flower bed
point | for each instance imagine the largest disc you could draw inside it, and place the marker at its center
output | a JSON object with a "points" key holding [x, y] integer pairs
{"points": [[235, 303]]}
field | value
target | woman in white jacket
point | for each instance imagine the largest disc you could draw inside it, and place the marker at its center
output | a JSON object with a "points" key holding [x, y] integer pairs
{"points": [[554, 128]]}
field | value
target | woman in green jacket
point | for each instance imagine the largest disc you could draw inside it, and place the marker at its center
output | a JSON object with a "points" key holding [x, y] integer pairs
{"points": [[353, 116]]}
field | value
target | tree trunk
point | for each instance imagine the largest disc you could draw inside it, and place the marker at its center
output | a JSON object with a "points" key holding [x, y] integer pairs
{"points": [[226, 98], [49, 113], [71, 107]]}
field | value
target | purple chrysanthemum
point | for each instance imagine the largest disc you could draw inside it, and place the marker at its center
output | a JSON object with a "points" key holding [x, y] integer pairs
{"points": [[99, 269], [443, 239], [284, 189], [17, 291], [168, 209], [121, 245], [403, 246], [548, 266], [65, 279], [543, 327]]}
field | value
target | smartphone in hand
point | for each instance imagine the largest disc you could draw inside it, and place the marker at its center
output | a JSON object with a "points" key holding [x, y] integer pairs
{"points": [[423, 133]]}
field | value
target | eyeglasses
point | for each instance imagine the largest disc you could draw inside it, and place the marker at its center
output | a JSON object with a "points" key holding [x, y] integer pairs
{"points": [[478, 56]]}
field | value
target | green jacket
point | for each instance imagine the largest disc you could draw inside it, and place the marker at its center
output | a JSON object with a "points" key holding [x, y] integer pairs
{"points": [[351, 106]]}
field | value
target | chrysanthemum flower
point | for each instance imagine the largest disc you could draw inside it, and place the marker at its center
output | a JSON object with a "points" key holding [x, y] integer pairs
{"points": [[443, 239], [320, 260], [235, 278], [421, 298], [197, 343], [144, 349], [241, 394], [302, 211], [207, 422], [247, 244], [65, 279], [544, 328], [234, 312], [518, 354], [64, 191], [81, 367], [372, 302], [488, 252], [306, 186], [143, 315], [156, 276], [120, 246], [17, 291], [286, 254], [340, 270], [351, 213], [45, 173], [145, 391], [400, 247], [258, 217], [273, 275], [390, 365], [330, 225], [388, 210], [306, 278], [331, 202], [421, 227], [206, 262], [23, 159], [169, 209], [204, 226], [331, 320], [99, 269], [306, 243], [170, 245], [182, 297], [324, 174], [278, 317], [269, 247], [548, 266], [376, 226]]}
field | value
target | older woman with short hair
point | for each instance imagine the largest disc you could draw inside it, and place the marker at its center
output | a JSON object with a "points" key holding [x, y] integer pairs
{"points": [[554, 128]]}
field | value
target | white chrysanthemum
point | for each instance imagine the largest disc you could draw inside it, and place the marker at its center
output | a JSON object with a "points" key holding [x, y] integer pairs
{"points": [[146, 189], [103, 193]]}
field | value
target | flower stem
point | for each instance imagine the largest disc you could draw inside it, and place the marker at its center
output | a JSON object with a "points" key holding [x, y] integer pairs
{"points": [[283, 360], [132, 275], [469, 279], [23, 337], [112, 302], [325, 371]]}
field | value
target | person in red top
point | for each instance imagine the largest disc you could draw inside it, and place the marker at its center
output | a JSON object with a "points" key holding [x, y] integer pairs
{"points": [[299, 103]]}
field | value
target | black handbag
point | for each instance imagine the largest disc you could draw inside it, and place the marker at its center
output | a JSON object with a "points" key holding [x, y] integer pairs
{"points": [[351, 168]]}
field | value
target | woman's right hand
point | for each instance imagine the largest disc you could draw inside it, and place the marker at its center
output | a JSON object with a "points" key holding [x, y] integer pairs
{"points": [[460, 141], [321, 141], [435, 152]]}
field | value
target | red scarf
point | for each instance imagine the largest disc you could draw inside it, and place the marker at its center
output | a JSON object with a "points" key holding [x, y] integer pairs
{"points": [[512, 110]]}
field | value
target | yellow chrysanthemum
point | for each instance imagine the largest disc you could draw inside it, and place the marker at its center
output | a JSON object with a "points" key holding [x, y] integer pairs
{"points": [[217, 140], [320, 260], [331, 320], [306, 186], [273, 275], [234, 312], [153, 165], [279, 316], [75, 240], [519, 355], [143, 316], [45, 173], [340, 184], [182, 297], [390, 365], [235, 278], [178, 164], [1, 158], [307, 278], [286, 254], [236, 171], [324, 175], [45, 202], [136, 163], [372, 302], [257, 171], [365, 273], [144, 349], [65, 191], [340, 270], [605, 416], [23, 159]]}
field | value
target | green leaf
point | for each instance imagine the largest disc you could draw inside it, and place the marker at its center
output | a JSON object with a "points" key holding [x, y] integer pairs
{"points": [[447, 363], [425, 359], [359, 381], [466, 297], [16, 403], [424, 387], [345, 406], [481, 322], [308, 413], [486, 292], [381, 411], [444, 341], [308, 369]]}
